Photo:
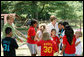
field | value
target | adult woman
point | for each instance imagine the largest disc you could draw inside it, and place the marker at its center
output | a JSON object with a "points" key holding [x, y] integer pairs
{"points": [[52, 25], [16, 33]]}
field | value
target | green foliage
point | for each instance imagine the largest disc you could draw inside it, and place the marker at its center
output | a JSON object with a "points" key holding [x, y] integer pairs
{"points": [[43, 9]]}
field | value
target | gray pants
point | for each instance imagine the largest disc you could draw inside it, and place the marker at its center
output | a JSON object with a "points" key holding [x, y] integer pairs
{"points": [[32, 48]]}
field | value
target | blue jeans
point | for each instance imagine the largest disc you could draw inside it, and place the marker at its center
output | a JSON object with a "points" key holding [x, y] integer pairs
{"points": [[69, 54]]}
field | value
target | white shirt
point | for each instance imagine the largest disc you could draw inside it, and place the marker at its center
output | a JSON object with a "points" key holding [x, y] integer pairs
{"points": [[39, 34], [78, 47], [50, 27], [61, 40], [63, 33]]}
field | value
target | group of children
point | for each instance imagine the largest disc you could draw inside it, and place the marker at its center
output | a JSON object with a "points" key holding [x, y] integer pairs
{"points": [[45, 44]]}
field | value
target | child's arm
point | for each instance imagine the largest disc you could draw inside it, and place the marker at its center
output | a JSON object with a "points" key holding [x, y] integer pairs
{"points": [[58, 48], [15, 44], [39, 43], [55, 47], [20, 34], [77, 43], [58, 44], [32, 37], [36, 37], [63, 48]]}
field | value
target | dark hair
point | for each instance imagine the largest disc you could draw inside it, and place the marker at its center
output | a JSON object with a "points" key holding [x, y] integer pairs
{"points": [[60, 23], [65, 23], [69, 33], [33, 22], [29, 22], [8, 30], [43, 26], [53, 30]]}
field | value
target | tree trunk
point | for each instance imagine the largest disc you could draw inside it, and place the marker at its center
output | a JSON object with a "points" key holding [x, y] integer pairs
{"points": [[34, 10]]}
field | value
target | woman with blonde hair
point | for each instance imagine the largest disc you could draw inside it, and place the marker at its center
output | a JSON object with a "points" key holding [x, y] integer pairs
{"points": [[16, 34]]}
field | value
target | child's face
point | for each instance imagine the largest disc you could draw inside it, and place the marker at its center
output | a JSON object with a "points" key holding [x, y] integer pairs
{"points": [[11, 34], [35, 25], [53, 33], [60, 26], [42, 28]]}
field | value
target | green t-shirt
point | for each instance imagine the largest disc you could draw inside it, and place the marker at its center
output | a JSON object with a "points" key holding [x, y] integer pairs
{"points": [[11, 26], [16, 33]]}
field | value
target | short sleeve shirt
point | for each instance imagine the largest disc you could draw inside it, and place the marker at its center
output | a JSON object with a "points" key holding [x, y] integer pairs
{"points": [[48, 47], [69, 49], [31, 32]]}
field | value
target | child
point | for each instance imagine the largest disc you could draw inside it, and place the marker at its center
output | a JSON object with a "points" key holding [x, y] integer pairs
{"points": [[9, 44], [40, 32], [63, 27], [60, 26], [78, 44], [55, 38], [62, 34], [31, 37], [68, 42], [39, 37], [48, 47]]}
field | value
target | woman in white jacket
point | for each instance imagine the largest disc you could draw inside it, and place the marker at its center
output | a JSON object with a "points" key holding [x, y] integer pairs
{"points": [[52, 25]]}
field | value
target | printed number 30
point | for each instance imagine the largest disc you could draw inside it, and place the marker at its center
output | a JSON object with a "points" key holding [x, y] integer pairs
{"points": [[6, 47], [48, 49]]}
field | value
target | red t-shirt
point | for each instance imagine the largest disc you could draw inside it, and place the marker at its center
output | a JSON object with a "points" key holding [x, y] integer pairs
{"points": [[48, 48], [69, 49], [31, 32], [57, 40]]}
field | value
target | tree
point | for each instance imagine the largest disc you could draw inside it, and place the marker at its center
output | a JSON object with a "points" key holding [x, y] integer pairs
{"points": [[43, 9]]}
